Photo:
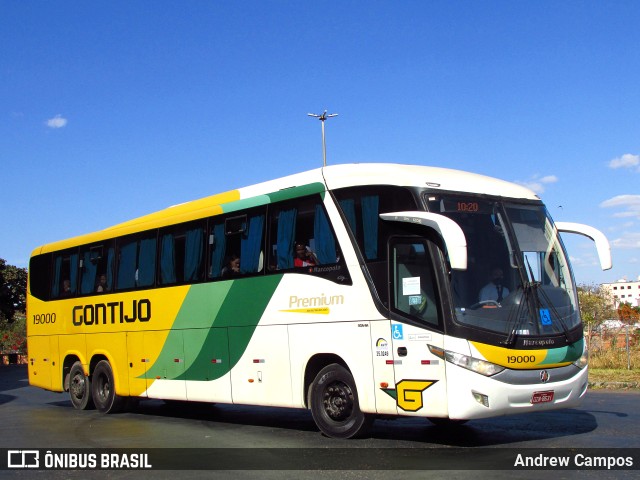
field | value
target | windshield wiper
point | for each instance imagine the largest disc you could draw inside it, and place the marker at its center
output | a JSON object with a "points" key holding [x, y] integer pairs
{"points": [[515, 323], [532, 292], [554, 311]]}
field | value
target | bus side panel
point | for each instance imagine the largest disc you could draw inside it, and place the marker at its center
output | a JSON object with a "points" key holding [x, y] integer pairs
{"points": [[351, 341], [138, 364], [39, 361], [207, 362], [75, 346], [56, 364], [262, 374], [114, 347], [165, 378], [383, 372]]}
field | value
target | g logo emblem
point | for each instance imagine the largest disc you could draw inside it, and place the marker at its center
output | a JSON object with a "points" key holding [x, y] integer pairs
{"points": [[410, 394]]}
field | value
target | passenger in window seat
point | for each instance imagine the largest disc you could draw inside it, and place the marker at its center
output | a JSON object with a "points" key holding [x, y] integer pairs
{"points": [[304, 256]]}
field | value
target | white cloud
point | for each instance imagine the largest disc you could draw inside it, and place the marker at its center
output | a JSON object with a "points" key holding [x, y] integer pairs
{"points": [[630, 205], [629, 201], [537, 183], [626, 161], [629, 240], [56, 122]]}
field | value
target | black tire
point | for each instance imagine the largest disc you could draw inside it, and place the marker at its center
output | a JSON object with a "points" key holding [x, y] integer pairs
{"points": [[333, 400], [79, 388], [103, 389]]}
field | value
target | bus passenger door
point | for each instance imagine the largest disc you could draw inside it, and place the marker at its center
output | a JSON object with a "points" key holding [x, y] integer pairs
{"points": [[417, 324]]}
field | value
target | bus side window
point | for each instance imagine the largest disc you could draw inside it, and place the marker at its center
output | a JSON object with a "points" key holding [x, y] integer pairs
{"points": [[303, 221], [65, 275], [217, 248], [239, 236], [181, 254], [96, 263], [136, 261]]}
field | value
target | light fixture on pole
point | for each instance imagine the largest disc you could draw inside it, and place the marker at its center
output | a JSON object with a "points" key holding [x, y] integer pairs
{"points": [[322, 118]]}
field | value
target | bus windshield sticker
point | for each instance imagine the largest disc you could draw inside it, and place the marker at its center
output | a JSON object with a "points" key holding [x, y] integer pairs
{"points": [[545, 316], [415, 300], [411, 286]]}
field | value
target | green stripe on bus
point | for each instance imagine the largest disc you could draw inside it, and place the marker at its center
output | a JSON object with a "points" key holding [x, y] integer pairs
{"points": [[570, 353], [285, 194], [203, 324]]}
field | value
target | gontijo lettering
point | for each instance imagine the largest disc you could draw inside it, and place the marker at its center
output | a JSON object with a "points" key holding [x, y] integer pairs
{"points": [[112, 312]]}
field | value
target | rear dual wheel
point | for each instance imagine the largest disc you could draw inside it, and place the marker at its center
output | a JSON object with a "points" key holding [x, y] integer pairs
{"points": [[103, 389], [79, 388]]}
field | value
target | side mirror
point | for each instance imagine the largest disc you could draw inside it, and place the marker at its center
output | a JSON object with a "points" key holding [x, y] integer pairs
{"points": [[450, 231], [602, 244]]}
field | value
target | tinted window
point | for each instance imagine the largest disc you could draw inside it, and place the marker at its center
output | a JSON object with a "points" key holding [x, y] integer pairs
{"points": [[136, 261]]}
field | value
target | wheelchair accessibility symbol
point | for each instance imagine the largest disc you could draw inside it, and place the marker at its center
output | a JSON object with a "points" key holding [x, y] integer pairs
{"points": [[396, 332]]}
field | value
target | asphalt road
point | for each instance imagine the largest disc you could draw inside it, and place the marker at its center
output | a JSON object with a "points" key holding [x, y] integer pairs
{"points": [[32, 418]]}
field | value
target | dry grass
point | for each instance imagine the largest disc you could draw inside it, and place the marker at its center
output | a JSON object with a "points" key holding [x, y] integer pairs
{"points": [[608, 368]]}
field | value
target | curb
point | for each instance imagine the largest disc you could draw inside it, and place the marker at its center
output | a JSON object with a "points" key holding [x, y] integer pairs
{"points": [[615, 385]]}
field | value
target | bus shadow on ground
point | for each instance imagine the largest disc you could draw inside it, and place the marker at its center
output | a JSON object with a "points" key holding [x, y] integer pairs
{"points": [[477, 433]]}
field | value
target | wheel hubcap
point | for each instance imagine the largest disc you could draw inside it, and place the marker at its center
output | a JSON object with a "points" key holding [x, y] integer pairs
{"points": [[78, 386], [104, 389], [338, 401]]}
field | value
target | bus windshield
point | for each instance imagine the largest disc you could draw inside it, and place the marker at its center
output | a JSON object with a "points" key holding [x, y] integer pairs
{"points": [[518, 280]]}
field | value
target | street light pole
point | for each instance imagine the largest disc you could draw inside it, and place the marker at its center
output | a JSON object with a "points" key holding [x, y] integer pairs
{"points": [[322, 118]]}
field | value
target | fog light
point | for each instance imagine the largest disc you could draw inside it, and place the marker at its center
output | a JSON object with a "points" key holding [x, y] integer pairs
{"points": [[481, 399]]}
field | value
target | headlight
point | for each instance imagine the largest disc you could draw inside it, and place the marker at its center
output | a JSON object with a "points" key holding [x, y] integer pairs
{"points": [[583, 361], [474, 364]]}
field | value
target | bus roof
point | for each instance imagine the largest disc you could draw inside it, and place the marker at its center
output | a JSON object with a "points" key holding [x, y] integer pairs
{"points": [[437, 178], [312, 181]]}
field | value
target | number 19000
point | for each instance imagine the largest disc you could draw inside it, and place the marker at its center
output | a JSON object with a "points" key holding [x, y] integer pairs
{"points": [[44, 318], [521, 359]]}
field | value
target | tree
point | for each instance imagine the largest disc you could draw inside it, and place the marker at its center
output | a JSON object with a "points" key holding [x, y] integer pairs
{"points": [[596, 307], [627, 314], [13, 289]]}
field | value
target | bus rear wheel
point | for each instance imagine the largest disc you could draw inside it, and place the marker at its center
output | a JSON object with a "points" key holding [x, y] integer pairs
{"points": [[79, 388], [333, 399], [103, 389]]}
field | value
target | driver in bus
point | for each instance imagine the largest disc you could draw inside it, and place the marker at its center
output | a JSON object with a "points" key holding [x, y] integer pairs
{"points": [[494, 290]]}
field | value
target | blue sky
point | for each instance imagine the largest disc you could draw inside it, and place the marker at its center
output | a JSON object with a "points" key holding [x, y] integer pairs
{"points": [[111, 110]]}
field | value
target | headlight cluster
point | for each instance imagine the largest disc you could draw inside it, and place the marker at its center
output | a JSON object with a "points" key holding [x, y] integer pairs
{"points": [[474, 364], [583, 361]]}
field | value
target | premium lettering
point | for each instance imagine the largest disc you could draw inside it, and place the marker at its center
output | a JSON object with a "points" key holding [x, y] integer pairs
{"points": [[112, 312], [321, 301]]}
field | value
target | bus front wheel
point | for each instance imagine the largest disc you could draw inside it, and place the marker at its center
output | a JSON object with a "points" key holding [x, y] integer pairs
{"points": [[333, 399], [79, 388], [103, 389]]}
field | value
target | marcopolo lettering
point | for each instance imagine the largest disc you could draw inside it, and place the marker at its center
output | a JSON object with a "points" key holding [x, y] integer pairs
{"points": [[112, 312]]}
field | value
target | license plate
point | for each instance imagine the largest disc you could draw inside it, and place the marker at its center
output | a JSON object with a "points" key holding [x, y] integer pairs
{"points": [[542, 397]]}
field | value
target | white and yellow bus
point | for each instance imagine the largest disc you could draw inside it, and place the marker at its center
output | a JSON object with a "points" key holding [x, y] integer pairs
{"points": [[350, 290]]}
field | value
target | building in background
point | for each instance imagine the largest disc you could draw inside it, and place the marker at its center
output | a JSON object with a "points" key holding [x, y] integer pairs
{"points": [[624, 291]]}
